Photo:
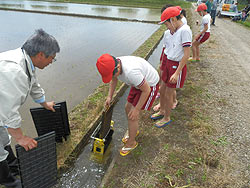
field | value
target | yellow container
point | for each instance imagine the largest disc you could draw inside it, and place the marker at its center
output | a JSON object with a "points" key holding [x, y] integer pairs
{"points": [[226, 7]]}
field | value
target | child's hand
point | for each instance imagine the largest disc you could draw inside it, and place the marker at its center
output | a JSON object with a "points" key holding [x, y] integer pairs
{"points": [[173, 78]]}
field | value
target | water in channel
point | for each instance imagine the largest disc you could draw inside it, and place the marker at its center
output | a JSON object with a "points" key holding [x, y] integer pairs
{"points": [[88, 171]]}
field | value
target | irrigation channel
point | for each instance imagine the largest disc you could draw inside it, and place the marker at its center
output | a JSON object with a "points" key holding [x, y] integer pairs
{"points": [[74, 76]]}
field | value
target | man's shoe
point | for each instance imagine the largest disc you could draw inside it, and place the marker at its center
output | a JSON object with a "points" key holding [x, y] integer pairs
{"points": [[6, 178]]}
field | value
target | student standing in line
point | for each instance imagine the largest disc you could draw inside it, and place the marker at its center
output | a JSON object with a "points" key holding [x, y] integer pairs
{"points": [[204, 33], [174, 72], [143, 79], [18, 80], [166, 42]]}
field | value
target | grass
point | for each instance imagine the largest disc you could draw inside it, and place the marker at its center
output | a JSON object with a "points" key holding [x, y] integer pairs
{"points": [[246, 23], [132, 3]]}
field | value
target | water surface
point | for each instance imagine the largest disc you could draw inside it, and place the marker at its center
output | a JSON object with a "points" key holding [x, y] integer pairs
{"points": [[85, 9]]}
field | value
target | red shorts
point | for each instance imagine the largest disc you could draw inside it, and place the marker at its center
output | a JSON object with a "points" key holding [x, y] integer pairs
{"points": [[163, 63], [134, 96], [202, 38], [171, 67]]}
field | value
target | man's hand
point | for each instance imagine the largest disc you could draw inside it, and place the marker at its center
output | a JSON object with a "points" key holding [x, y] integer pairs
{"points": [[24, 141], [49, 105], [134, 114], [27, 142]]}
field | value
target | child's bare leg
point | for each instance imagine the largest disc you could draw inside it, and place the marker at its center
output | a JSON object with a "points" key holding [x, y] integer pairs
{"points": [[133, 126], [175, 102]]}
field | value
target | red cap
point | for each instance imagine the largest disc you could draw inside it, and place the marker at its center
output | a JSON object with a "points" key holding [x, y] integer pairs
{"points": [[201, 7], [169, 13], [179, 8], [106, 65]]}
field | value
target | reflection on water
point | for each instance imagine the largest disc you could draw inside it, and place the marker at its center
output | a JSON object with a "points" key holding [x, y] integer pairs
{"points": [[101, 9], [11, 5], [127, 10], [58, 7], [38, 6]]}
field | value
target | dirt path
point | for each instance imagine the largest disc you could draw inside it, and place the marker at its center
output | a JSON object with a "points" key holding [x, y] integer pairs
{"points": [[227, 59]]}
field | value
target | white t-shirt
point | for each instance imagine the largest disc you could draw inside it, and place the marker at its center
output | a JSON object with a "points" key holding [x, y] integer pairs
{"points": [[181, 38], [205, 21], [184, 20], [136, 70], [167, 40]]}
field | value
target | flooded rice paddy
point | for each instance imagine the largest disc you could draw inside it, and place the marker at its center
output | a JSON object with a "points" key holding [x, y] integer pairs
{"points": [[84, 9]]}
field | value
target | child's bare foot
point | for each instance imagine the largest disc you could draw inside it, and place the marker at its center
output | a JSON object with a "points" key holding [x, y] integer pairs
{"points": [[157, 107]]}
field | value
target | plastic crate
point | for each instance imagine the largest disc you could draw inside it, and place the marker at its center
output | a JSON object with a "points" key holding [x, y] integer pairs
{"points": [[46, 121], [38, 167]]}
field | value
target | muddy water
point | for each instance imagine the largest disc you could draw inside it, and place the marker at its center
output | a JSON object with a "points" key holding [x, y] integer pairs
{"points": [[73, 76], [88, 171], [94, 10]]}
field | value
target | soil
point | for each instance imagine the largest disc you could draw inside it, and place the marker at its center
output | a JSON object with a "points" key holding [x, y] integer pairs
{"points": [[208, 143]]}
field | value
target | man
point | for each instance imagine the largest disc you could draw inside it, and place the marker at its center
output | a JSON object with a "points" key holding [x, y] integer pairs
{"points": [[209, 5], [17, 81], [213, 11], [142, 78]]}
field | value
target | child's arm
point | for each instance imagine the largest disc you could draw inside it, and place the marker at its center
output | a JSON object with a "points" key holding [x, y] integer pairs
{"points": [[134, 114], [182, 63], [112, 86]]}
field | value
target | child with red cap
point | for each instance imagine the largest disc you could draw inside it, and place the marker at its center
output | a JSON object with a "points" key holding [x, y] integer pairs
{"points": [[204, 33], [176, 56], [166, 40], [143, 79]]}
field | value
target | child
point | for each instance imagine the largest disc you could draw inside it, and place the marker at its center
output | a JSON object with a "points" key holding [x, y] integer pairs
{"points": [[177, 54], [204, 33], [142, 78], [167, 35]]}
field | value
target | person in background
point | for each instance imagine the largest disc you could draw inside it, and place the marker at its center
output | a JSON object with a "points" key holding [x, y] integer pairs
{"points": [[143, 79], [213, 11], [204, 33], [18, 80], [209, 5]]}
